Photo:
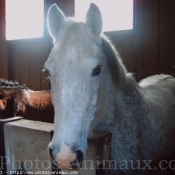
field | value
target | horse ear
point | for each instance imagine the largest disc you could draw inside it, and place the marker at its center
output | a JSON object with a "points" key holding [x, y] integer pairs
{"points": [[94, 19], [55, 19]]}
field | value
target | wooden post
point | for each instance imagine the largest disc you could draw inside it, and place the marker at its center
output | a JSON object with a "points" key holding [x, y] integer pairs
{"points": [[3, 158]]}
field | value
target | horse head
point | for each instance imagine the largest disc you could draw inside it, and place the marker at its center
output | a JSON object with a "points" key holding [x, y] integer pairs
{"points": [[77, 74]]}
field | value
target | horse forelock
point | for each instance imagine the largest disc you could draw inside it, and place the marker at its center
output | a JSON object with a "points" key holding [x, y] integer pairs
{"points": [[76, 35]]}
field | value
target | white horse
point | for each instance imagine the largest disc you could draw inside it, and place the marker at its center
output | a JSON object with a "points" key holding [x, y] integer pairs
{"points": [[91, 89]]}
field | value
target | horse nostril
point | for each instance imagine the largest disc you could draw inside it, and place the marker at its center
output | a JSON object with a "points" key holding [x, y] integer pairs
{"points": [[77, 163], [80, 156], [51, 153]]}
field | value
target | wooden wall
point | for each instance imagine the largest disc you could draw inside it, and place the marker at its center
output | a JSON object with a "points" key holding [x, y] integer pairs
{"points": [[167, 37], [147, 50], [150, 49], [156, 27], [3, 44], [25, 59]]}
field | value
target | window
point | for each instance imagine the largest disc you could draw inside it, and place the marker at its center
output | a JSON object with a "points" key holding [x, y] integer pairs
{"points": [[24, 19], [117, 14]]}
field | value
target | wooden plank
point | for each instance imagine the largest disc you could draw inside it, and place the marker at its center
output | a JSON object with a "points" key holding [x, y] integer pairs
{"points": [[167, 37], [14, 73], [149, 37], [0, 57], [4, 61], [2, 18], [24, 64], [4, 52], [1, 38], [45, 50], [69, 7], [2, 141], [3, 45], [35, 66]]}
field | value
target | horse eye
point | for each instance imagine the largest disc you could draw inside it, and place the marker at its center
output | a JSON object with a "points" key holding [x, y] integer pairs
{"points": [[96, 71], [45, 70]]}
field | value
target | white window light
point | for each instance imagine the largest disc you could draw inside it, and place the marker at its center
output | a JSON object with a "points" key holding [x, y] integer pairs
{"points": [[117, 14], [24, 19]]}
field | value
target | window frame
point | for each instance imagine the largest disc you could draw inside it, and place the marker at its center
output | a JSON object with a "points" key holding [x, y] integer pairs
{"points": [[45, 36], [130, 31], [68, 6]]}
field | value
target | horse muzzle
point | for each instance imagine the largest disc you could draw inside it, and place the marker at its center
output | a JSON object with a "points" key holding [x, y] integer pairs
{"points": [[67, 158]]}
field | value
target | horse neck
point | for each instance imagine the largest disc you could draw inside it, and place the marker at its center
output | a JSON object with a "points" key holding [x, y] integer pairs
{"points": [[127, 94], [122, 104]]}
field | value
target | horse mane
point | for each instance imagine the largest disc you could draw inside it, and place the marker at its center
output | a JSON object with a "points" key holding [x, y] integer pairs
{"points": [[17, 100], [120, 77], [5, 84]]}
